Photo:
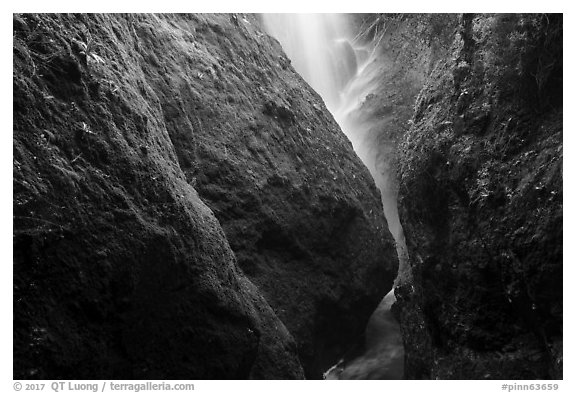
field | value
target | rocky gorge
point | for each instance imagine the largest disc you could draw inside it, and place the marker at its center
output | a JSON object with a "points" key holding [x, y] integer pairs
{"points": [[187, 206]]}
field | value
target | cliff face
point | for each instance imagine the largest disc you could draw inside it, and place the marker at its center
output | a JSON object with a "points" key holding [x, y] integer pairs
{"points": [[184, 205], [481, 206]]}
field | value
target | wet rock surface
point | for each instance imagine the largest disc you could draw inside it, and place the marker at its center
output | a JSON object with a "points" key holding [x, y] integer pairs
{"points": [[462, 116], [184, 205], [481, 206]]}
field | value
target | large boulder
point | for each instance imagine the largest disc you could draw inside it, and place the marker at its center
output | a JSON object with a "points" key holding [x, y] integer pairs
{"points": [[184, 205], [120, 270]]}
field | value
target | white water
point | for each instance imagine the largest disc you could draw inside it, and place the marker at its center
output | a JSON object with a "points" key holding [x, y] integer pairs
{"points": [[322, 50], [314, 44]]}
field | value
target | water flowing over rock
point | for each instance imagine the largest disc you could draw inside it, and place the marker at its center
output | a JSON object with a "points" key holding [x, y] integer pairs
{"points": [[347, 72], [195, 199], [461, 117]]}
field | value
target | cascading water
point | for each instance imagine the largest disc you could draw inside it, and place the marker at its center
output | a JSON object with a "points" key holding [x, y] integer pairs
{"points": [[322, 49], [312, 43]]}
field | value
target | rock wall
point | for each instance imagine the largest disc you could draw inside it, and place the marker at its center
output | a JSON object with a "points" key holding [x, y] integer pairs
{"points": [[464, 122], [184, 205], [481, 206]]}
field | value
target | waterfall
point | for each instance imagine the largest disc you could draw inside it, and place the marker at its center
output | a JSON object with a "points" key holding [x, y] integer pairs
{"points": [[316, 45], [323, 50]]}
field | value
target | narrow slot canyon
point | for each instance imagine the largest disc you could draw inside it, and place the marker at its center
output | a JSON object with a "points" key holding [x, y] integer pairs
{"points": [[287, 196], [343, 67]]}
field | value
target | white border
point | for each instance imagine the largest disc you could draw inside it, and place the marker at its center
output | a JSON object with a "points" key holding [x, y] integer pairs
{"points": [[290, 6]]}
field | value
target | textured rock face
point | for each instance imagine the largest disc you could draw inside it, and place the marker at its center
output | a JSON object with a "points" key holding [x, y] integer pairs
{"points": [[184, 206], [299, 209], [481, 205]]}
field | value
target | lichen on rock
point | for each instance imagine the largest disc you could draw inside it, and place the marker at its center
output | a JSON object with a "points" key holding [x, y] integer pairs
{"points": [[481, 205], [184, 205]]}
